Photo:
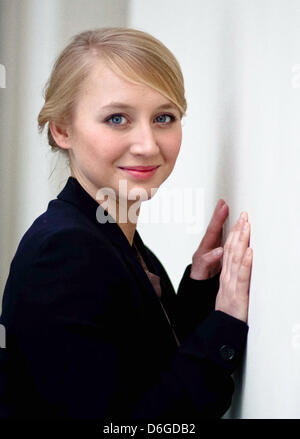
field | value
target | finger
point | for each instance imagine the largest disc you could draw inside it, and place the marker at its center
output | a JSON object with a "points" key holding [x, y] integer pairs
{"points": [[243, 278], [228, 245], [226, 251], [213, 234], [235, 252], [211, 261], [213, 256], [216, 264], [240, 250]]}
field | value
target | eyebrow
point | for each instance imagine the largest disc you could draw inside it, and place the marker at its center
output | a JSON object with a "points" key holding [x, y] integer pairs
{"points": [[113, 105]]}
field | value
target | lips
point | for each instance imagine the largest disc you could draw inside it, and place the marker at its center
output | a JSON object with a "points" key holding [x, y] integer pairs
{"points": [[140, 174], [139, 168]]}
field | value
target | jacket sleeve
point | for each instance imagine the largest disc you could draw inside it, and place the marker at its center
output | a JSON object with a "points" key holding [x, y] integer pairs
{"points": [[64, 323], [195, 301]]}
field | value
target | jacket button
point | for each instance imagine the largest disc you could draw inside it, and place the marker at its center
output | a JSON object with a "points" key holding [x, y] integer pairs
{"points": [[227, 352]]}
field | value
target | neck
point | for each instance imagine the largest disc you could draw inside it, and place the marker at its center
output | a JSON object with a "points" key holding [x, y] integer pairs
{"points": [[125, 217], [129, 230]]}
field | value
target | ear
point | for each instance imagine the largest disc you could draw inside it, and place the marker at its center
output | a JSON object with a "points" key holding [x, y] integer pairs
{"points": [[61, 134]]}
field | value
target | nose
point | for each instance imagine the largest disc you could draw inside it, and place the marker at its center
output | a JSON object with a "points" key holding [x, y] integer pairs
{"points": [[144, 140]]}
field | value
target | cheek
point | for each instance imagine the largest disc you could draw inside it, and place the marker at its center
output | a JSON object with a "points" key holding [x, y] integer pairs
{"points": [[172, 146], [96, 143]]}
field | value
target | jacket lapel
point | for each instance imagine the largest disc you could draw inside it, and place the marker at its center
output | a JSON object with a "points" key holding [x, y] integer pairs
{"points": [[74, 193]]}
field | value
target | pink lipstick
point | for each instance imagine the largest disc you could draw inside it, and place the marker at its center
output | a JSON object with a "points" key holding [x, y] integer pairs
{"points": [[140, 172]]}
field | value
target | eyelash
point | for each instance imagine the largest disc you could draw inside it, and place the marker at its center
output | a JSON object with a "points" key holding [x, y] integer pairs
{"points": [[172, 117]]}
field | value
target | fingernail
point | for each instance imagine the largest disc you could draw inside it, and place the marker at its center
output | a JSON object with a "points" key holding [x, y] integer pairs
{"points": [[218, 251]]}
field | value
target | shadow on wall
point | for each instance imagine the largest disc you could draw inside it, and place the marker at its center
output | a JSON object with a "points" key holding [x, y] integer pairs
{"points": [[239, 382], [225, 180]]}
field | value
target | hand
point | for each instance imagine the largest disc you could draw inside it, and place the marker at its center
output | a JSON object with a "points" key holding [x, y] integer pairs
{"points": [[206, 261], [233, 294]]}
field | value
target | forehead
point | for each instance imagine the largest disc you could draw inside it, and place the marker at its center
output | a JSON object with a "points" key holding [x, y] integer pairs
{"points": [[104, 85]]}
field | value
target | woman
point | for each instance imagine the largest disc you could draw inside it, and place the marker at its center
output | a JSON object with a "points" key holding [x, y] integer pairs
{"points": [[94, 329]]}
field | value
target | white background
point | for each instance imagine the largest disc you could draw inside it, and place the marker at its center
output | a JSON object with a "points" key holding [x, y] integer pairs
{"points": [[241, 63]]}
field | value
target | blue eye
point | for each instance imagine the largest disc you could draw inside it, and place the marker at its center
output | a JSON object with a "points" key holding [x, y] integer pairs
{"points": [[116, 119], [120, 120], [162, 118]]}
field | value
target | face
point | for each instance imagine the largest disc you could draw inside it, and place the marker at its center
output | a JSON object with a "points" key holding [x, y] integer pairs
{"points": [[117, 124]]}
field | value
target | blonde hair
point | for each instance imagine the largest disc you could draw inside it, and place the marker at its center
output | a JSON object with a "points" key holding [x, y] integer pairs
{"points": [[133, 54]]}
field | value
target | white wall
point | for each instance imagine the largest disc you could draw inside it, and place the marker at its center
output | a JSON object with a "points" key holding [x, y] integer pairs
{"points": [[241, 143]]}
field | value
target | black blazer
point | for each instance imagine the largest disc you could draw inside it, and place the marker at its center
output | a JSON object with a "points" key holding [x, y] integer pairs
{"points": [[87, 338]]}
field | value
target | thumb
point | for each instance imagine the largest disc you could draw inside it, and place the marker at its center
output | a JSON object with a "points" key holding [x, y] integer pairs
{"points": [[213, 255]]}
